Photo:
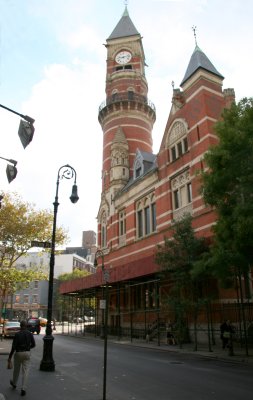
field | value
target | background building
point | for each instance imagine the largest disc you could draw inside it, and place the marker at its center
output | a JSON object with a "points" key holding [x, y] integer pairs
{"points": [[32, 300]]}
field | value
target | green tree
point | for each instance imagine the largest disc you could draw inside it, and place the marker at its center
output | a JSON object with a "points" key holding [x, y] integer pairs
{"points": [[177, 258], [77, 273], [20, 223], [228, 187]]}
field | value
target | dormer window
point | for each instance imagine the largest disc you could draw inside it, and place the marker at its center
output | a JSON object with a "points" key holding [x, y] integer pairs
{"points": [[138, 166], [143, 163], [138, 172]]}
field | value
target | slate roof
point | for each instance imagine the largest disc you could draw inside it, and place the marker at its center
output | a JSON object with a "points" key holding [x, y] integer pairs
{"points": [[199, 60], [125, 27], [149, 163]]}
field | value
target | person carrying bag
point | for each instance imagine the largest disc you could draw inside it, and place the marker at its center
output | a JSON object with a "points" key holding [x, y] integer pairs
{"points": [[23, 342]]}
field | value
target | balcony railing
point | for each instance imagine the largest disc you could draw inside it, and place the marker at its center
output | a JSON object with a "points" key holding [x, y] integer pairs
{"points": [[130, 96]]}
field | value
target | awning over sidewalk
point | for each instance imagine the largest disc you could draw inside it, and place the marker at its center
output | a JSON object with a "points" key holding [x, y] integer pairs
{"points": [[135, 269]]}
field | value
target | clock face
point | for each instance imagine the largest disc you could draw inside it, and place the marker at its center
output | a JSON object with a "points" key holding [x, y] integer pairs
{"points": [[123, 57]]}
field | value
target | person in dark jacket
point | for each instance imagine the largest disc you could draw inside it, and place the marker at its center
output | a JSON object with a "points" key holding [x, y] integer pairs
{"points": [[23, 342], [226, 331]]}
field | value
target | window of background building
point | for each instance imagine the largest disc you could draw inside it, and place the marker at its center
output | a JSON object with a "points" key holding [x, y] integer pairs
{"points": [[36, 284], [26, 298], [17, 298], [35, 298]]}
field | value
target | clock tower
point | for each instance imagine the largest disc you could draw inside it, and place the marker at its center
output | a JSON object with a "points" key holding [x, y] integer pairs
{"points": [[126, 116]]}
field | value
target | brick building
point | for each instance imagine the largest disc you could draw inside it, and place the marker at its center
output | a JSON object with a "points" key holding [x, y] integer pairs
{"points": [[142, 192]]}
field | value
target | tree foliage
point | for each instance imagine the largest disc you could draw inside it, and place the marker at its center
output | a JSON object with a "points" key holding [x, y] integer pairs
{"points": [[77, 273], [177, 258], [20, 224], [228, 187]]}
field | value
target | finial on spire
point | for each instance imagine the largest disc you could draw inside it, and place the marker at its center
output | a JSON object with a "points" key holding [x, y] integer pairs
{"points": [[194, 28], [173, 84], [126, 3]]}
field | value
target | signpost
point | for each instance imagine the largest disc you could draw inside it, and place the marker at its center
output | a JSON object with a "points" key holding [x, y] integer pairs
{"points": [[45, 245]]}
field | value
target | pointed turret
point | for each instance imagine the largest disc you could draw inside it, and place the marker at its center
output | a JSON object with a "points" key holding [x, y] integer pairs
{"points": [[199, 61], [124, 28]]}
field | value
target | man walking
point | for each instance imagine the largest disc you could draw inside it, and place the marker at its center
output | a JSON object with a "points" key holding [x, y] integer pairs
{"points": [[22, 343]]}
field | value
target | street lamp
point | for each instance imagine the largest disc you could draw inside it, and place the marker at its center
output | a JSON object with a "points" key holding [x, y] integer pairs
{"points": [[11, 170], [47, 362], [26, 128], [106, 277]]}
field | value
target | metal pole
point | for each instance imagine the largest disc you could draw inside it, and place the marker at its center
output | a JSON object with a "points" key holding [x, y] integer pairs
{"points": [[47, 362], [105, 339], [25, 117], [100, 253]]}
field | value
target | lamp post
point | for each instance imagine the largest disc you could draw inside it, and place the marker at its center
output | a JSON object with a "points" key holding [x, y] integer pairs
{"points": [[11, 170], [47, 362], [26, 128], [106, 277]]}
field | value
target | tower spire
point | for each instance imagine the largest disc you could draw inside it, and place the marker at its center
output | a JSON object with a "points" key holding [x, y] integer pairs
{"points": [[194, 28]]}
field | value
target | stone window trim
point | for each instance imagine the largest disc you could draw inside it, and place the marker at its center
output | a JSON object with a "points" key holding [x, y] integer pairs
{"points": [[145, 216], [181, 188]]}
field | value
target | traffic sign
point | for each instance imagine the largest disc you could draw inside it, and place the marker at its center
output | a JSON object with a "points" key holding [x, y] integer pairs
{"points": [[36, 243]]}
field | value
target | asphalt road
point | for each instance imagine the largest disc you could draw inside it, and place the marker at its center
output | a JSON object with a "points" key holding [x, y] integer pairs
{"points": [[133, 373]]}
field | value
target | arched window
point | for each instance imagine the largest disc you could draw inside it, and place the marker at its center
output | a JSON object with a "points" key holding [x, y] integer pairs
{"points": [[177, 142]]}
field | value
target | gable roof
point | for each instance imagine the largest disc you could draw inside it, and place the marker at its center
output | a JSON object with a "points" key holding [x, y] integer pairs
{"points": [[199, 60], [125, 27]]}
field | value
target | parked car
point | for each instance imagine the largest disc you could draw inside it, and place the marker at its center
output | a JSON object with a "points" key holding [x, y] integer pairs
{"points": [[10, 328], [33, 325]]}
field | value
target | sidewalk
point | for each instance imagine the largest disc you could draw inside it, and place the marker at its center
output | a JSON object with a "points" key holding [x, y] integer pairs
{"points": [[215, 352]]}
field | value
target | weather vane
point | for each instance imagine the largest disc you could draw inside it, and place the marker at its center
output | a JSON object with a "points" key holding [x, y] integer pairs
{"points": [[194, 28], [173, 84], [126, 3]]}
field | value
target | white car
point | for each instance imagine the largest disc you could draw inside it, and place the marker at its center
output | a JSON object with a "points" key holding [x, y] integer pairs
{"points": [[10, 328]]}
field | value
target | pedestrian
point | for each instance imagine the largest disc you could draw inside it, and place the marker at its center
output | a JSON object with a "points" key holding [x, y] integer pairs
{"points": [[226, 331], [23, 342], [169, 334]]}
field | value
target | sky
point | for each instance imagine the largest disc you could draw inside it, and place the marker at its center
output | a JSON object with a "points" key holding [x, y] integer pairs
{"points": [[52, 68]]}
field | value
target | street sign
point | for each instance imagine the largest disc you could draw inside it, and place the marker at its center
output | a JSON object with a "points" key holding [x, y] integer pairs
{"points": [[106, 276], [102, 304], [36, 243]]}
